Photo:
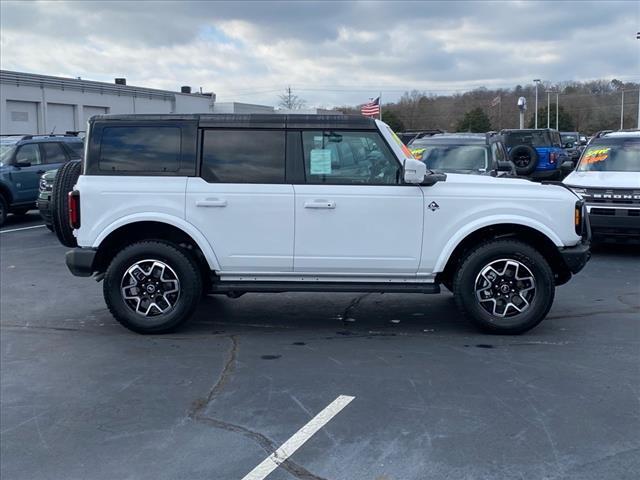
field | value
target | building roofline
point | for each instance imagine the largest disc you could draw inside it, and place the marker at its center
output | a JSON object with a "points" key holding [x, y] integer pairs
{"points": [[64, 83]]}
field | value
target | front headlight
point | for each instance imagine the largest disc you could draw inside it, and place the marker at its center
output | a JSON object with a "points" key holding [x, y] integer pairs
{"points": [[43, 184]]}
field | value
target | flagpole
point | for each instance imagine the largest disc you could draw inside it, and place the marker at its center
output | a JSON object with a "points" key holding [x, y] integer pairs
{"points": [[380, 105]]}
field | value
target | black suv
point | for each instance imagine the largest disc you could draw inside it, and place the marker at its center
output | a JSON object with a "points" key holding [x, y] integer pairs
{"points": [[23, 159], [476, 153]]}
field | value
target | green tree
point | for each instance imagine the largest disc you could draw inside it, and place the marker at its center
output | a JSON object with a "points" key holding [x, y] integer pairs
{"points": [[393, 121], [474, 121], [565, 120]]}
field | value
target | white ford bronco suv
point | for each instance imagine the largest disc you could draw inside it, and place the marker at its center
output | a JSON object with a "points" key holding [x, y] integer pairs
{"points": [[167, 208]]}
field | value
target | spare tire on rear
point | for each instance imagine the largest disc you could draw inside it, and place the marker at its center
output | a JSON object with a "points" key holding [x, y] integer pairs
{"points": [[65, 179], [525, 158]]}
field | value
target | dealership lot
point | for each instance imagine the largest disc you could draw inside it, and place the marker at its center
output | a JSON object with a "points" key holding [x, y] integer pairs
{"points": [[84, 398]]}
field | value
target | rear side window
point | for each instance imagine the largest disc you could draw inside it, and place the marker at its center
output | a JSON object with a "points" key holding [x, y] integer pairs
{"points": [[53, 153], [140, 149], [243, 156]]}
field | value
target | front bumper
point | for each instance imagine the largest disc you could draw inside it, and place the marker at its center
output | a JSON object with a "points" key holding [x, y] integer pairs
{"points": [[80, 261], [44, 206], [616, 222], [576, 257]]}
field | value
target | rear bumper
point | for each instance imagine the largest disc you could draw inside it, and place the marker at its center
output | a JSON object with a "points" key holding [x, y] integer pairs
{"points": [[80, 261], [546, 174], [576, 257]]}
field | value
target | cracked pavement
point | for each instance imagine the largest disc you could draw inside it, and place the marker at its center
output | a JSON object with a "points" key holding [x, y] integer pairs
{"points": [[83, 398]]}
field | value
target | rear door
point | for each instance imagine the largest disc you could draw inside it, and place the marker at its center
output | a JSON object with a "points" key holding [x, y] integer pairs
{"points": [[241, 201], [353, 215]]}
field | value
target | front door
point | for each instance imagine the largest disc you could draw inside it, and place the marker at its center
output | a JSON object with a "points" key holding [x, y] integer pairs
{"points": [[240, 201], [353, 215], [26, 179]]}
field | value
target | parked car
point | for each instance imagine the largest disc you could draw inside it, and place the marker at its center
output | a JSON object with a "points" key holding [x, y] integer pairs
{"points": [[271, 203], [407, 136], [608, 178], [482, 154], [44, 197], [23, 159], [572, 144], [536, 153]]}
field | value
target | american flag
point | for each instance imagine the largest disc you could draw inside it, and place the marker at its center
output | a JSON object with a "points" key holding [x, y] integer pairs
{"points": [[372, 108]]}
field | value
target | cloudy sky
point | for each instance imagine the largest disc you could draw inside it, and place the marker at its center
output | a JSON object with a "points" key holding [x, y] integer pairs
{"points": [[330, 53]]}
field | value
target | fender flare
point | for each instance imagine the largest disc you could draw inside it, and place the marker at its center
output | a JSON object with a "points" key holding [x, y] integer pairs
{"points": [[174, 221], [490, 221]]}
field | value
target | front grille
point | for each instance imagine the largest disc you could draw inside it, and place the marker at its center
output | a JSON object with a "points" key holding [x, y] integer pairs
{"points": [[625, 196], [603, 211]]}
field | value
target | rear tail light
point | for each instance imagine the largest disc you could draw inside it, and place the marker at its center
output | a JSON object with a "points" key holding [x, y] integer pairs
{"points": [[553, 156], [74, 209]]}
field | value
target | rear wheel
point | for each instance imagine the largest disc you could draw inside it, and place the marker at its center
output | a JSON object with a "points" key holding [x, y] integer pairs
{"points": [[504, 287], [63, 182], [152, 287], [525, 159]]}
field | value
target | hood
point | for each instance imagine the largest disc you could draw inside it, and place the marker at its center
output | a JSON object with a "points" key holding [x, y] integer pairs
{"points": [[603, 179]]}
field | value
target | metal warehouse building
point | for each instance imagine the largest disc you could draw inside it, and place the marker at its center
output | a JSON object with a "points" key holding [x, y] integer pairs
{"points": [[31, 104]]}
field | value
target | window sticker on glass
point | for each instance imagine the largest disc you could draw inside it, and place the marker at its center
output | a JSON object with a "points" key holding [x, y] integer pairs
{"points": [[320, 162], [595, 155]]}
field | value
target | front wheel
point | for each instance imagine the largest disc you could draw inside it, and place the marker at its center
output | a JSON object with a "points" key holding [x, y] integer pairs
{"points": [[504, 287], [152, 287]]}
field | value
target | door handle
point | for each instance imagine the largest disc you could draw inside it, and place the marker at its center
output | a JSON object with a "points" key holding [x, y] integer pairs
{"points": [[327, 204], [211, 202]]}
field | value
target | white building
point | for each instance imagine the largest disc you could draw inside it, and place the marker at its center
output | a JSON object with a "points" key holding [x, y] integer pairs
{"points": [[32, 103]]}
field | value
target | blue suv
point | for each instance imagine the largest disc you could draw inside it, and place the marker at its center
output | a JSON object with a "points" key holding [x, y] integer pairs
{"points": [[536, 153], [23, 159]]}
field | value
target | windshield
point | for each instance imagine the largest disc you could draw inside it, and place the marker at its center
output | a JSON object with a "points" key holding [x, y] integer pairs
{"points": [[621, 156], [6, 150], [456, 158], [569, 138], [533, 138]]}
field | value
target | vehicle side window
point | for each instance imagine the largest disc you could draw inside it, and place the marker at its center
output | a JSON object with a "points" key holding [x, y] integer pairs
{"points": [[498, 152], [53, 153], [77, 148], [29, 153], [348, 157], [243, 156], [140, 149]]}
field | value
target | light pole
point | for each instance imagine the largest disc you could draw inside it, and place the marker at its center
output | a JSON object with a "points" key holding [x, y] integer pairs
{"points": [[557, 95], [548, 108], [622, 110], [537, 82]]}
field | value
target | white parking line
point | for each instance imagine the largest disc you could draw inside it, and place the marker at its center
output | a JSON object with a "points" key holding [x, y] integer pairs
{"points": [[298, 439], [23, 228]]}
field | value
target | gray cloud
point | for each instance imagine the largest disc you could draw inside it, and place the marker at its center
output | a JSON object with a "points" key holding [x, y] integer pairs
{"points": [[332, 52]]}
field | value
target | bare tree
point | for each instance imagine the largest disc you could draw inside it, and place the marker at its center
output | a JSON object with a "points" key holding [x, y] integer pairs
{"points": [[290, 101]]}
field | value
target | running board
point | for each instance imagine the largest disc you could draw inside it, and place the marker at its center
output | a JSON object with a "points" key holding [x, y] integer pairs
{"points": [[277, 287]]}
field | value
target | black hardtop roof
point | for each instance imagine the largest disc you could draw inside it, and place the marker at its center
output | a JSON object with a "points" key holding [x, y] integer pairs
{"points": [[254, 120], [526, 130], [455, 138]]}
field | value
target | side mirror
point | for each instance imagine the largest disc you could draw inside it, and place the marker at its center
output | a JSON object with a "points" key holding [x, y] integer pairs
{"points": [[504, 166], [22, 164], [434, 178], [413, 171], [567, 166], [568, 145]]}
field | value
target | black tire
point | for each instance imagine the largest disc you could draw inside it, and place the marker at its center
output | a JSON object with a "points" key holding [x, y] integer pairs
{"points": [[3, 210], [181, 265], [49, 226], [20, 211], [525, 159], [63, 182], [532, 264]]}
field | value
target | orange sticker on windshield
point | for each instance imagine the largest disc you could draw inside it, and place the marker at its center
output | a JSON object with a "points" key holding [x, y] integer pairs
{"points": [[596, 155]]}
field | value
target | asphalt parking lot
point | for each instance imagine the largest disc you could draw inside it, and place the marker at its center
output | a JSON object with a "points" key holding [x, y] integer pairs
{"points": [[81, 397]]}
